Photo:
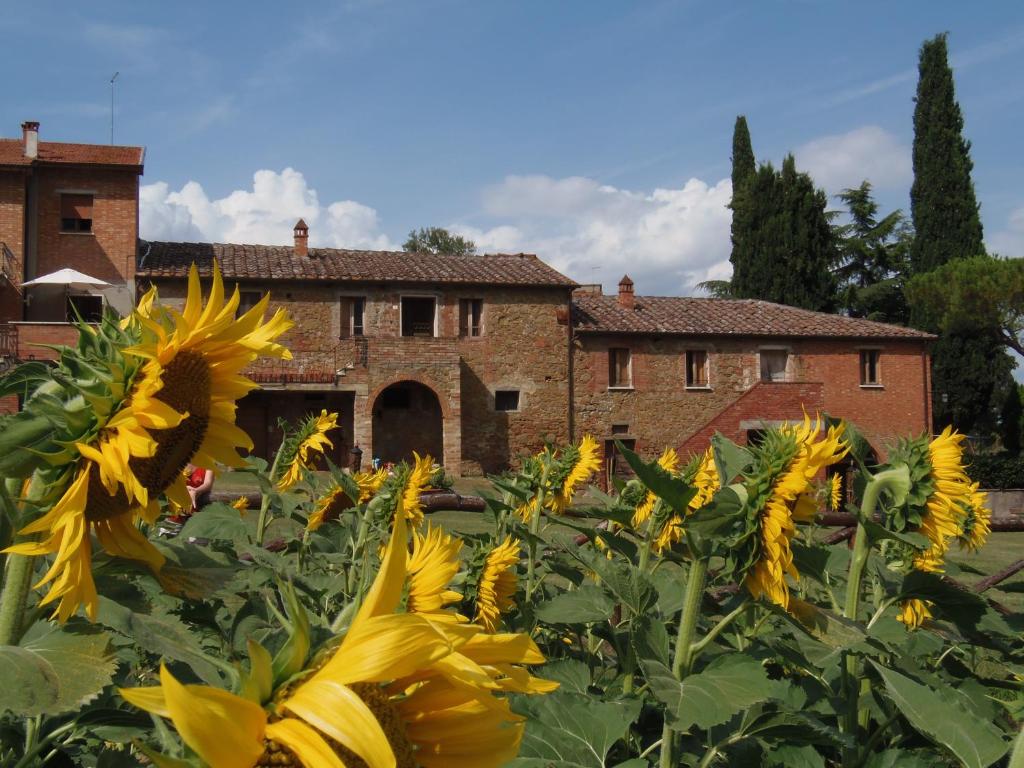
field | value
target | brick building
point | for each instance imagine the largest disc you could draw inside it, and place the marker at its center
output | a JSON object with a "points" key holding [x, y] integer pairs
{"points": [[659, 371], [474, 359], [63, 205]]}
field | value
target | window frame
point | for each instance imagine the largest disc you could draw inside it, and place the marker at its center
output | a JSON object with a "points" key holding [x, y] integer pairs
{"points": [[468, 307], [243, 306], [76, 228], [401, 314], [613, 367], [692, 384], [864, 354], [785, 370], [508, 391], [347, 328]]}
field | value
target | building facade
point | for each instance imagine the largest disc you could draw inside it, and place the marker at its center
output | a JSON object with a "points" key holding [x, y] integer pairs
{"points": [[476, 360]]}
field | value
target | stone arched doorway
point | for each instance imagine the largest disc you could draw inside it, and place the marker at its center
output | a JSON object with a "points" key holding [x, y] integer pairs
{"points": [[407, 417]]}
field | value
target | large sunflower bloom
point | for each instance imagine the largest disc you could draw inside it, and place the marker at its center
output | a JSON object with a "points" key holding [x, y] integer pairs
{"points": [[497, 588], [433, 563], [170, 401], [395, 692], [587, 462], [419, 479], [946, 506], [302, 449], [336, 499], [790, 500]]}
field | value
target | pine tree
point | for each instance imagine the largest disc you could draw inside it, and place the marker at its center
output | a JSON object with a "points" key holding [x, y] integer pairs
{"points": [[787, 245], [942, 201], [743, 169]]}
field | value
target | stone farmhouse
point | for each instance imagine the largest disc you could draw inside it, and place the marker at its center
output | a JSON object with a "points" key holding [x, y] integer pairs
{"points": [[476, 360]]}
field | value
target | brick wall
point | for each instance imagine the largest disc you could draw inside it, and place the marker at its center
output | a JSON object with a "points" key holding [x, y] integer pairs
{"points": [[12, 229], [659, 410]]}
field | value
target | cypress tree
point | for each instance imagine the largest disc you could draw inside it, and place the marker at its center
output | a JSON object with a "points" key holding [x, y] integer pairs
{"points": [[968, 369], [743, 169], [787, 245], [942, 201]]}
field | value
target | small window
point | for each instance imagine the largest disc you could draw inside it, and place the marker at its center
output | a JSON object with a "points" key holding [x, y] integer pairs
{"points": [[247, 300], [696, 368], [89, 308], [620, 429], [352, 311], [470, 313], [506, 400], [417, 316], [773, 364], [620, 369], [869, 368], [76, 213]]}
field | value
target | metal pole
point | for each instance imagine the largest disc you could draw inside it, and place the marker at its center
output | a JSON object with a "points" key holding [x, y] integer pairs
{"points": [[112, 79]]}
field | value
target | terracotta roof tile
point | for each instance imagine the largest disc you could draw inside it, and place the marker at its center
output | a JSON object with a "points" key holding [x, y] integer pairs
{"points": [[271, 262], [686, 316], [12, 152]]}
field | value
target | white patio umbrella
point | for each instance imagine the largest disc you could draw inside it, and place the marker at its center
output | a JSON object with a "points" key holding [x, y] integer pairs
{"points": [[71, 278]]}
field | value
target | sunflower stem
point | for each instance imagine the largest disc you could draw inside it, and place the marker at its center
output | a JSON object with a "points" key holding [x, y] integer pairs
{"points": [[851, 668], [535, 517], [17, 583], [682, 661], [262, 522]]}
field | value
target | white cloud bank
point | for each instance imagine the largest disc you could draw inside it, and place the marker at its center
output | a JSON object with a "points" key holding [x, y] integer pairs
{"points": [[666, 240], [264, 214], [1009, 241], [843, 161]]}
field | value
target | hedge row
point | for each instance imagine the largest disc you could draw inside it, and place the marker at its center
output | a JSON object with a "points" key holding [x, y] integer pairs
{"points": [[997, 470]]}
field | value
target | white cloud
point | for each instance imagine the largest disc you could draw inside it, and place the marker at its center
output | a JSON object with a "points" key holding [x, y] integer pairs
{"points": [[264, 214], [667, 240], [845, 160], [1009, 241]]}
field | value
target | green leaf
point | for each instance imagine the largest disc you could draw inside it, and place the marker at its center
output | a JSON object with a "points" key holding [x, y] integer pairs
{"points": [[825, 626], [963, 608], [572, 674], [215, 521], [624, 580], [54, 671], [811, 561], [878, 532], [21, 435], [586, 604], [901, 758], [672, 490], [791, 756], [709, 524], [573, 730], [728, 685], [976, 742], [730, 459], [649, 638]]}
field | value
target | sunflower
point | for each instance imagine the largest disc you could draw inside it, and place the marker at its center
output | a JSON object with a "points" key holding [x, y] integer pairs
{"points": [[419, 479], [433, 563], [669, 461], [149, 395], [241, 504], [704, 478], [977, 521], [945, 508], [336, 499], [835, 492], [785, 465], [300, 450], [913, 612], [585, 460], [497, 586], [398, 690]]}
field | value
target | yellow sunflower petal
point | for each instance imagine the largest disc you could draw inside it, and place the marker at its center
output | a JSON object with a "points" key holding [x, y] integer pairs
{"points": [[308, 745]]}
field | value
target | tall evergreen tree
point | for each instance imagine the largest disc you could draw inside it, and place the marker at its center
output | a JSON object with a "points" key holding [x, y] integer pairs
{"points": [[787, 245], [969, 369], [743, 170], [942, 201]]}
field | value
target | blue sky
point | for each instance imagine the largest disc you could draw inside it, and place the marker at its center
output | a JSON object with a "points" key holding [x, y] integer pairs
{"points": [[596, 134]]}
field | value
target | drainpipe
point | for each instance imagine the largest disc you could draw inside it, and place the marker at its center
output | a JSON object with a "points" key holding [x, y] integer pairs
{"points": [[572, 373]]}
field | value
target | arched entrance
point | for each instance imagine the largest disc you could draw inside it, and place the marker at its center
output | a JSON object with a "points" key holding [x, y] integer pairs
{"points": [[407, 417]]}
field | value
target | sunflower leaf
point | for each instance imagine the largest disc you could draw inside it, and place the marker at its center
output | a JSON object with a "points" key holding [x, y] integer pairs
{"points": [[571, 729], [586, 604], [672, 490], [730, 459], [941, 717]]}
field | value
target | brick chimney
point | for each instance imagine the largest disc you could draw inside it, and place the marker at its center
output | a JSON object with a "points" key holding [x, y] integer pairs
{"points": [[626, 293], [30, 133], [301, 238]]}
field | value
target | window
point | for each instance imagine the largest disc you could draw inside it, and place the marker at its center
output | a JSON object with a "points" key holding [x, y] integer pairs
{"points": [[418, 316], [773, 364], [89, 308], [76, 213], [620, 370], [352, 311], [506, 400], [620, 429], [247, 300], [869, 368], [470, 313], [696, 368]]}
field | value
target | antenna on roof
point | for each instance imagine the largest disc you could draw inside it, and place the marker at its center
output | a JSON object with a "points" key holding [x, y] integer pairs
{"points": [[112, 79]]}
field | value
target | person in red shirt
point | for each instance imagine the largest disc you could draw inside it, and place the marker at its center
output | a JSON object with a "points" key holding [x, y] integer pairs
{"points": [[199, 482]]}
